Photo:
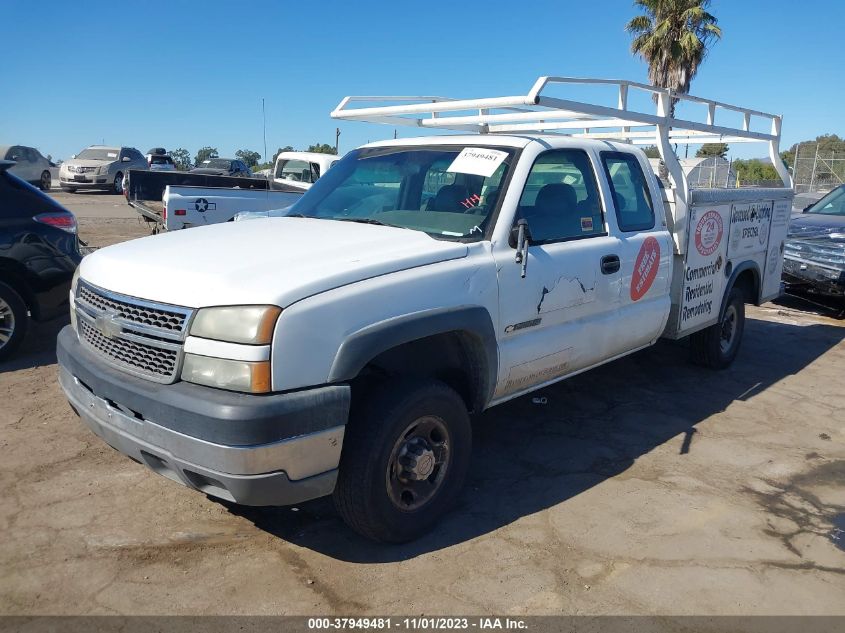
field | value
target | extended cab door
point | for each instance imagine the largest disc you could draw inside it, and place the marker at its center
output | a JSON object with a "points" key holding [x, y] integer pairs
{"points": [[644, 246], [574, 307]]}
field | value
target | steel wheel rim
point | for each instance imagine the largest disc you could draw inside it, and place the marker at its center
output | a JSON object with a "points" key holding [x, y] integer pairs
{"points": [[7, 323], [118, 183], [728, 329], [418, 464]]}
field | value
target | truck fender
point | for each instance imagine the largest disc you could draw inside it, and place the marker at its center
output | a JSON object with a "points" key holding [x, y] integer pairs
{"points": [[735, 273], [367, 343]]}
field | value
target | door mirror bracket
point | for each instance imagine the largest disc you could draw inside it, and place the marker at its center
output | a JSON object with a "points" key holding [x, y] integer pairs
{"points": [[523, 239]]}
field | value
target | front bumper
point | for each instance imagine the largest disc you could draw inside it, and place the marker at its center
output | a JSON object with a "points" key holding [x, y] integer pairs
{"points": [[86, 180], [823, 279], [300, 434]]}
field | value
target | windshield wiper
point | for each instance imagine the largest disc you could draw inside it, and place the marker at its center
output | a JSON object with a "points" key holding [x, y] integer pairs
{"points": [[369, 221]]}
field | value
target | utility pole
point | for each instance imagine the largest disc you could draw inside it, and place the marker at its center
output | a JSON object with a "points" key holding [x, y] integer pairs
{"points": [[264, 121], [336, 138]]}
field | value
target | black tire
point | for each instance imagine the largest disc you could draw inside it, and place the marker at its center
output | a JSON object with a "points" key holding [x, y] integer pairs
{"points": [[45, 182], [716, 347], [69, 189], [117, 186], [14, 320], [366, 492]]}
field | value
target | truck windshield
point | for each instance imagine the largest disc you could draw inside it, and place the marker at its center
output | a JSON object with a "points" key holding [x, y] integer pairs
{"points": [[216, 163], [448, 192], [832, 204]]}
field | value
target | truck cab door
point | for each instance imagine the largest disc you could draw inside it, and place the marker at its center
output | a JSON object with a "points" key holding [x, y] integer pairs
{"points": [[561, 315]]}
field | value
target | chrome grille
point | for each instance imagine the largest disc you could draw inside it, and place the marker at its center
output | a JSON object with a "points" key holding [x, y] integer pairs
{"points": [[143, 315], [137, 336], [137, 356]]}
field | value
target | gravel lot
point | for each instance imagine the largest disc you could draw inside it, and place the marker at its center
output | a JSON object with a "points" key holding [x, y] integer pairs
{"points": [[646, 486]]}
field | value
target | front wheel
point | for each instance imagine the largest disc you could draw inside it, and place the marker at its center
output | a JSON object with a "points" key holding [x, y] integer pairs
{"points": [[13, 320], [717, 346], [46, 182], [405, 458], [118, 183]]}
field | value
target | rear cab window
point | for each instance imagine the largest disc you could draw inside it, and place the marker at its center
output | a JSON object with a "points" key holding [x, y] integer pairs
{"points": [[631, 195]]}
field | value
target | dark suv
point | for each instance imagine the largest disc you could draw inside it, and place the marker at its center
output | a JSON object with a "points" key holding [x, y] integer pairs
{"points": [[39, 253]]}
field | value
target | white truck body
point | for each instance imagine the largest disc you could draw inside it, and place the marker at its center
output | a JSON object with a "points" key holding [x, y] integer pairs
{"points": [[429, 276], [301, 169], [186, 207]]}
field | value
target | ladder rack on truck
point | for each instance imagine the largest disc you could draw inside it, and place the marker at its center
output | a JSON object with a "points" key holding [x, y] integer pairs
{"points": [[536, 112]]}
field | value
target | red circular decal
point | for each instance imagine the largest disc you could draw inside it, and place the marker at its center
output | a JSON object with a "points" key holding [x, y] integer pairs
{"points": [[645, 268], [708, 233]]}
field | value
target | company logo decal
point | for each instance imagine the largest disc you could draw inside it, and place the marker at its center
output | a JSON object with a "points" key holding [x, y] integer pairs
{"points": [[708, 233], [645, 268]]}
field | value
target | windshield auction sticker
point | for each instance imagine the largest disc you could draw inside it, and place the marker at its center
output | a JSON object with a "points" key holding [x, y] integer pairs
{"points": [[703, 269], [478, 161]]}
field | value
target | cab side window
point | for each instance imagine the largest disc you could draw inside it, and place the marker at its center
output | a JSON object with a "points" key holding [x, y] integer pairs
{"points": [[631, 197], [561, 199]]}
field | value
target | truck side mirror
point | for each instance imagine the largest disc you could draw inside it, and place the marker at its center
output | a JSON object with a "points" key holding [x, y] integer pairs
{"points": [[522, 239]]}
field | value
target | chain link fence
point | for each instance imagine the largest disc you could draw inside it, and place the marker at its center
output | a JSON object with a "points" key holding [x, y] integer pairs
{"points": [[817, 169]]}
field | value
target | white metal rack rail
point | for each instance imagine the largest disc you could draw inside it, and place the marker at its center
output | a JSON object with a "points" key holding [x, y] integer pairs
{"points": [[539, 113]]}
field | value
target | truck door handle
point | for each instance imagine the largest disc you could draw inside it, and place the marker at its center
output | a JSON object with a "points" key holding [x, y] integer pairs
{"points": [[610, 264]]}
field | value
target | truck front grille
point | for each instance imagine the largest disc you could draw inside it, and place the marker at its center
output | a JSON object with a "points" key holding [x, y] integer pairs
{"points": [[131, 355], [136, 336], [140, 314]]}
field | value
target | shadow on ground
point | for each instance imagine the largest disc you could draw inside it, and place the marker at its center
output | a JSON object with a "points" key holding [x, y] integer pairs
{"points": [[39, 346], [528, 457]]}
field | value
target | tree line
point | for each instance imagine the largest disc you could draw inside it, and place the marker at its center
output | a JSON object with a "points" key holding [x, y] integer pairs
{"points": [[182, 157]]}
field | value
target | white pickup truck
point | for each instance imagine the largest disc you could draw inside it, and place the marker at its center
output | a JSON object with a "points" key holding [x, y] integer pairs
{"points": [[301, 169], [180, 200], [342, 349]]}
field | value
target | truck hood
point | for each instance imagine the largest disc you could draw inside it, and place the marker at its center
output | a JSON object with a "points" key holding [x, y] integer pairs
{"points": [[266, 261], [810, 225]]}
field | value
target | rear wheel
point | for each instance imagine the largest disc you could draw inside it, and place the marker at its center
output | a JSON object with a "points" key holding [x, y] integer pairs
{"points": [[717, 346], [117, 187], [45, 182], [13, 320], [405, 458]]}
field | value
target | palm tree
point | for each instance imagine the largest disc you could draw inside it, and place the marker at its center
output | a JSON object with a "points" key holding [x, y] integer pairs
{"points": [[673, 37]]}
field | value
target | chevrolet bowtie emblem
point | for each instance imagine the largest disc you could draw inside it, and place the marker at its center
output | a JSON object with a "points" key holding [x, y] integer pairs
{"points": [[107, 325]]}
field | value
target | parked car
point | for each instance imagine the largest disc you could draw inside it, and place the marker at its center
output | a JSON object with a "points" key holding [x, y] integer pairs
{"points": [[100, 167], [340, 349], [223, 167], [301, 169], [29, 165], [161, 162], [39, 253], [814, 255]]}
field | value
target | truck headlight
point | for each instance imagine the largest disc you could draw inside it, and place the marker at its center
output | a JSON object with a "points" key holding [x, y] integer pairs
{"points": [[235, 375], [252, 325]]}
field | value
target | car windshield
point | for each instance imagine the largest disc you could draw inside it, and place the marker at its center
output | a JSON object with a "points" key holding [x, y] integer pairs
{"points": [[448, 192], [832, 204], [99, 153], [216, 163]]}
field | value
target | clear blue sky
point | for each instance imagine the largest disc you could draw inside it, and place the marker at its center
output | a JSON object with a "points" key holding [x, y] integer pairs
{"points": [[187, 74]]}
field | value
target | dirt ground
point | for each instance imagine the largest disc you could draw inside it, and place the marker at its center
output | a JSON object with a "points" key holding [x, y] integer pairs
{"points": [[648, 486]]}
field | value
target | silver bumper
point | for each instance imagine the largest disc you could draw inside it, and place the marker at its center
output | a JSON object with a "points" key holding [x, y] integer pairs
{"points": [[280, 473]]}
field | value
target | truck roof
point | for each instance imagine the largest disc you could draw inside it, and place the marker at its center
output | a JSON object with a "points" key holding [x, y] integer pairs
{"points": [[501, 140], [317, 157]]}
